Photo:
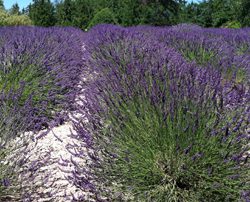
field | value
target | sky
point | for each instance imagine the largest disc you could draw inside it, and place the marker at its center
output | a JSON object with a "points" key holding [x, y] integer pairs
{"points": [[21, 3], [25, 3]]}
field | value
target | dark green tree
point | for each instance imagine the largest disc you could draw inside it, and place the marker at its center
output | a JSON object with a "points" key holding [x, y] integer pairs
{"points": [[42, 13], [15, 10], [1, 4], [64, 12], [126, 12], [84, 11], [244, 14], [59, 12], [134, 12], [103, 16], [25, 11], [211, 13], [204, 14], [224, 11]]}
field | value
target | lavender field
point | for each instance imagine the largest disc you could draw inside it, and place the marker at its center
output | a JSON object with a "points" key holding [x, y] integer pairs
{"points": [[141, 114]]}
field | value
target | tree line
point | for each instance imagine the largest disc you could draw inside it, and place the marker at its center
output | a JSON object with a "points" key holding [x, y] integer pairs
{"points": [[218, 13], [87, 13]]}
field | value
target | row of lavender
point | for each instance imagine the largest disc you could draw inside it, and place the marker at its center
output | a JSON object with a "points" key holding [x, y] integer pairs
{"points": [[168, 114], [168, 108], [39, 72]]}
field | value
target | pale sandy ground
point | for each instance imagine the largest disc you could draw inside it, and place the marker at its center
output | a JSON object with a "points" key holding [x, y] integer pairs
{"points": [[52, 162], [54, 147], [52, 156]]}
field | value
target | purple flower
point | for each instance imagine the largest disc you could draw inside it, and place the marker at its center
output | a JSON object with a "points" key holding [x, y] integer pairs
{"points": [[6, 182]]}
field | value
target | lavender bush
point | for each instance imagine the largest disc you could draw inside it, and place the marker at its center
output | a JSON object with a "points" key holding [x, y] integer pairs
{"points": [[14, 120], [39, 72], [223, 49], [160, 128], [167, 109], [214, 48], [48, 61]]}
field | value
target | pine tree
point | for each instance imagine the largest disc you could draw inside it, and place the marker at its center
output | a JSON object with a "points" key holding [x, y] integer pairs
{"points": [[64, 12], [15, 10], [103, 16], [1, 4], [84, 12], [245, 13], [42, 13]]}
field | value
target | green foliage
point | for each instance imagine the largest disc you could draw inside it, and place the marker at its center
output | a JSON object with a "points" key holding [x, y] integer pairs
{"points": [[84, 12], [212, 13], [136, 12], [244, 15], [223, 11], [126, 12], [1, 4], [3, 16], [201, 56], [15, 10], [42, 13], [64, 12], [76, 13], [7, 19], [232, 24], [155, 14], [14, 20], [81, 13], [103, 16]]}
